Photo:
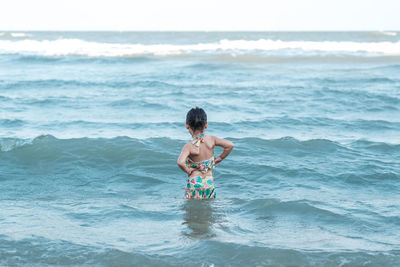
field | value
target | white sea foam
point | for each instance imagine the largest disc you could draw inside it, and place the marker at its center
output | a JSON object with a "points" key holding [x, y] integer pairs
{"points": [[62, 47], [20, 34], [389, 33]]}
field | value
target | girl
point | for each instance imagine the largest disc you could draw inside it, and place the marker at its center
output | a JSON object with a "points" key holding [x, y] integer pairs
{"points": [[197, 157]]}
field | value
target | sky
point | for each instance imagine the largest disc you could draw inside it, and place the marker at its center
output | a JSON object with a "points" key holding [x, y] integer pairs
{"points": [[200, 15]]}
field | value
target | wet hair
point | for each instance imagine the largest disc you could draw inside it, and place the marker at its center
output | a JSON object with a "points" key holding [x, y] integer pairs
{"points": [[196, 118]]}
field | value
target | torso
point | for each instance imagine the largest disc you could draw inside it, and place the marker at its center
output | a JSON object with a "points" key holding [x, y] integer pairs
{"points": [[204, 152]]}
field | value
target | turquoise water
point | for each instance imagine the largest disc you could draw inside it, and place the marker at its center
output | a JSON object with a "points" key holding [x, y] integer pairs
{"points": [[92, 124]]}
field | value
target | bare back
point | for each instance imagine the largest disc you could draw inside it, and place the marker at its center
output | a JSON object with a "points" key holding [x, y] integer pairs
{"points": [[204, 151]]}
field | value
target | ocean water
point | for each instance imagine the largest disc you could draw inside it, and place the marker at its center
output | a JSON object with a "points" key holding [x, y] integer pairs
{"points": [[92, 123]]}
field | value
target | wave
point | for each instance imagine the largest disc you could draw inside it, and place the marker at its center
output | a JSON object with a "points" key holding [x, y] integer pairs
{"points": [[59, 84], [45, 251], [307, 133], [94, 216], [222, 57], [102, 153], [16, 34], [73, 59], [317, 122], [267, 207], [388, 33], [376, 146], [368, 179], [12, 123], [20, 34], [263, 47], [124, 144]]}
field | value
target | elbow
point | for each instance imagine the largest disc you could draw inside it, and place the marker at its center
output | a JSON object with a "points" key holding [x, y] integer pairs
{"points": [[231, 145], [180, 163]]}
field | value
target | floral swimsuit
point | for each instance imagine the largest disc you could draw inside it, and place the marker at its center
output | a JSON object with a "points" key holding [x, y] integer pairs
{"points": [[200, 187]]}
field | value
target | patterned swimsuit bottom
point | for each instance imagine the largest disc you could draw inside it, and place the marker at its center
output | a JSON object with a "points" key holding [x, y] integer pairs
{"points": [[200, 187]]}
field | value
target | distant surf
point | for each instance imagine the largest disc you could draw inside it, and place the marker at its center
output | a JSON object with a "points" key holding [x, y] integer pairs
{"points": [[263, 47]]}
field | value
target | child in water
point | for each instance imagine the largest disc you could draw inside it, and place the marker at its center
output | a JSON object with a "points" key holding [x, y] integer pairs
{"points": [[197, 157]]}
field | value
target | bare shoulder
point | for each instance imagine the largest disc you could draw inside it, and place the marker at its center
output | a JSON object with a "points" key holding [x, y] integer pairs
{"points": [[187, 146], [211, 139]]}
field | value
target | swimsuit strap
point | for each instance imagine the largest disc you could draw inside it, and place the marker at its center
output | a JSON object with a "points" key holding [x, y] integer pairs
{"points": [[203, 165], [198, 139]]}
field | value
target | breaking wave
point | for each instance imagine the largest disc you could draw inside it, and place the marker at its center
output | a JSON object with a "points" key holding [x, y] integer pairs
{"points": [[264, 47]]}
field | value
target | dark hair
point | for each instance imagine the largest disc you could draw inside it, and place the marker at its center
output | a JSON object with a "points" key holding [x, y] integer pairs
{"points": [[196, 118]]}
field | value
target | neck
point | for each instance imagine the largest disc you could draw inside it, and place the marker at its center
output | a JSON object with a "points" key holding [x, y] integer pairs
{"points": [[197, 133]]}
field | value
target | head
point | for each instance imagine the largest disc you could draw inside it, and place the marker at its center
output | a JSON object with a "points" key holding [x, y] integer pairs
{"points": [[196, 120]]}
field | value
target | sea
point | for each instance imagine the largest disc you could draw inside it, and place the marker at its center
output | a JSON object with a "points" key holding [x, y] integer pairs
{"points": [[92, 124]]}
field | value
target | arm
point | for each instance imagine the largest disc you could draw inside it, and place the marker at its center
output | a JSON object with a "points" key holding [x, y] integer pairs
{"points": [[226, 144], [182, 160]]}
